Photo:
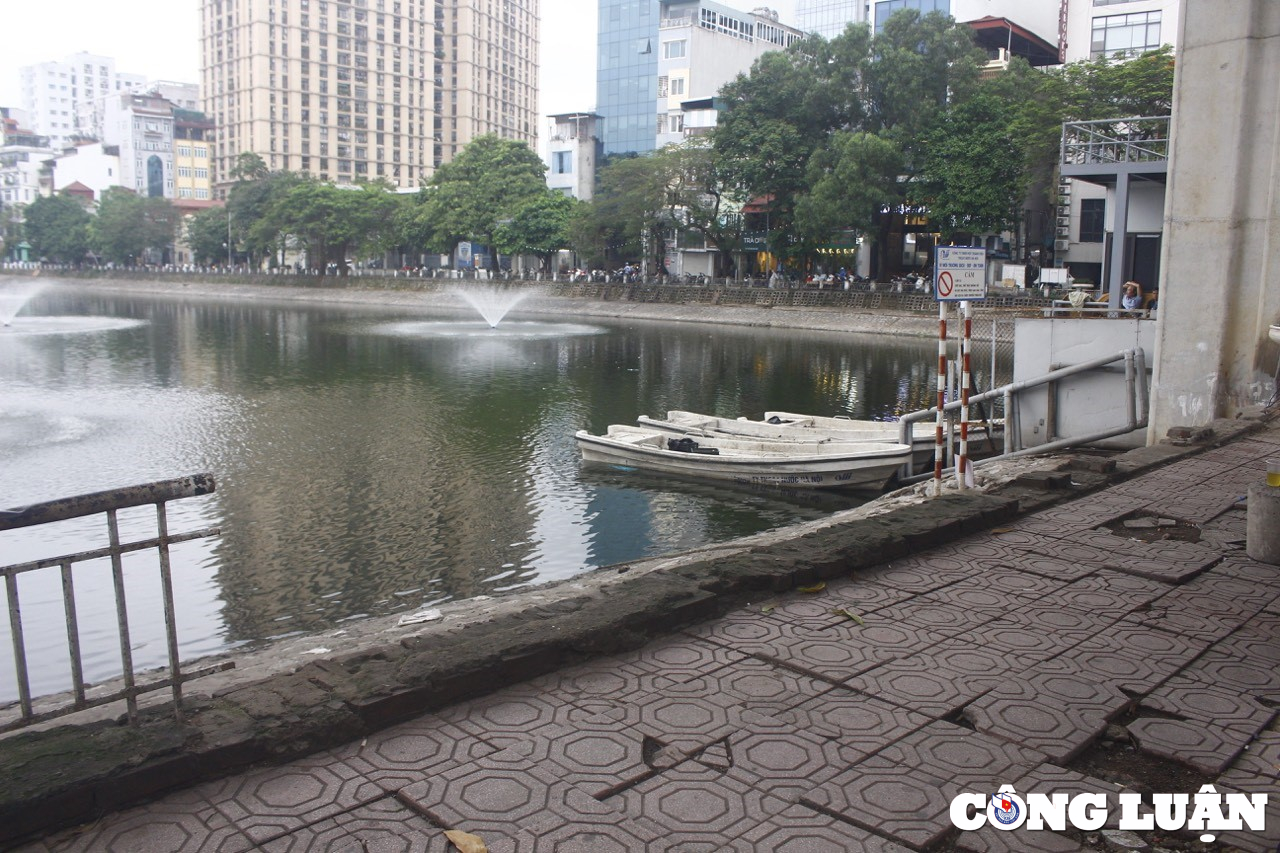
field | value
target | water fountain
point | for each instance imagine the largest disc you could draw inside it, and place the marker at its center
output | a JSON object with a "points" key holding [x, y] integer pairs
{"points": [[16, 294], [14, 297], [492, 303]]}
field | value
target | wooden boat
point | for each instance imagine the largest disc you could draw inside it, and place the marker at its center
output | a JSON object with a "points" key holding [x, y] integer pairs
{"points": [[820, 464], [984, 438]]}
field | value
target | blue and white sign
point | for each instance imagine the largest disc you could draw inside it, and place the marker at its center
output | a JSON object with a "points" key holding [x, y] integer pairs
{"points": [[959, 273]]}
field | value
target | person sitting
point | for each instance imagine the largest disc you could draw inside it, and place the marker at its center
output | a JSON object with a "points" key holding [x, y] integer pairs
{"points": [[1131, 297]]}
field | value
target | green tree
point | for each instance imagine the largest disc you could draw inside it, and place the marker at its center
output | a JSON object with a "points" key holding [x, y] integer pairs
{"points": [[850, 181], [252, 203], [206, 233], [57, 227], [700, 198], [332, 223], [468, 197], [975, 177], [127, 225], [632, 208], [539, 227]]}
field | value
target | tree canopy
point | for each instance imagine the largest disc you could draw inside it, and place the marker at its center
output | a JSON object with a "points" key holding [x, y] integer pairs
{"points": [[470, 196], [57, 227], [128, 224]]}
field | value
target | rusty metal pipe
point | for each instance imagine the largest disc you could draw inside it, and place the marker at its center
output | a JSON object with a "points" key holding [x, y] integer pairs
{"points": [[82, 505]]}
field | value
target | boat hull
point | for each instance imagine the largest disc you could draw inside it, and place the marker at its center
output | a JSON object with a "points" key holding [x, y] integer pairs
{"points": [[870, 467]]}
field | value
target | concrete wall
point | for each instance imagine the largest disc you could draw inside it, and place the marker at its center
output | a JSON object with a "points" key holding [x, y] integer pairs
{"points": [[1221, 254], [1087, 403]]}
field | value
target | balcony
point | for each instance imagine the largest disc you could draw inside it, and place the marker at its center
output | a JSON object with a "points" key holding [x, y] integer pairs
{"points": [[1098, 151]]}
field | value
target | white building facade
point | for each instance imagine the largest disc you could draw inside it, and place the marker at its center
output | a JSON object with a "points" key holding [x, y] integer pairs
{"points": [[142, 127], [93, 164], [64, 98], [1086, 214], [573, 152], [701, 47]]}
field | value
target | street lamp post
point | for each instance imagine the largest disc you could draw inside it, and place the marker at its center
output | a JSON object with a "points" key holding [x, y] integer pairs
{"points": [[228, 238]]}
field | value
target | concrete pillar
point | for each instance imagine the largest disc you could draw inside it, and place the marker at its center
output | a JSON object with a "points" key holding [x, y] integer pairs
{"points": [[1220, 263], [1262, 531], [1119, 241]]}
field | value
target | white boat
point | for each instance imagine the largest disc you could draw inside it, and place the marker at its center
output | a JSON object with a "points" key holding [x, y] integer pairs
{"points": [[986, 438], [788, 426], [822, 464]]}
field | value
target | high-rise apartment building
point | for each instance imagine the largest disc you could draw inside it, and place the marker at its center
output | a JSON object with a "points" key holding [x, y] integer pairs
{"points": [[351, 90], [828, 18], [654, 56], [64, 99]]}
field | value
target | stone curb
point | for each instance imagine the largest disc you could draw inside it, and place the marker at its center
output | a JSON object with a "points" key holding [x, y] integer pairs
{"points": [[71, 774]]}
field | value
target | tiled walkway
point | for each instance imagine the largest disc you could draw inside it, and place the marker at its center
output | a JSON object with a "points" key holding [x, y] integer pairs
{"points": [[843, 719]]}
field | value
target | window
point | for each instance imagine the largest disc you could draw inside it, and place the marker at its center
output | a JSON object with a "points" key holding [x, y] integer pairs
{"points": [[562, 162], [1093, 213], [1125, 35], [673, 49], [677, 86]]}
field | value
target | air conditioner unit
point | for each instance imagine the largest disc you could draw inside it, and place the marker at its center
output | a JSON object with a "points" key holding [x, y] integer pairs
{"points": [[1064, 221], [1061, 245], [1064, 232]]}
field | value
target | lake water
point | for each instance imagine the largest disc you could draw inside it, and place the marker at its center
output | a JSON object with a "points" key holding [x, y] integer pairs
{"points": [[373, 461]]}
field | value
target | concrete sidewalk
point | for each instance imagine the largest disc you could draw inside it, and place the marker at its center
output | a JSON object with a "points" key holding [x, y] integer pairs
{"points": [[1062, 652]]}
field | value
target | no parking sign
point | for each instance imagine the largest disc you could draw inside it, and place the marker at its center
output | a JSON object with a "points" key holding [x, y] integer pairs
{"points": [[959, 273]]}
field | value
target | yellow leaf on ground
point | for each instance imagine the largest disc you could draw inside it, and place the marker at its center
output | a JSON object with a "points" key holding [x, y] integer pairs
{"points": [[817, 587], [465, 841], [848, 614]]}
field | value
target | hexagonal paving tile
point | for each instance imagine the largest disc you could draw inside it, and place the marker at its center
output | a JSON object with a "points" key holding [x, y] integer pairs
{"points": [[598, 756], [918, 574], [183, 823], [1194, 695], [685, 723], [844, 651], [1207, 748], [862, 724], [693, 804], [755, 684], [938, 615], [954, 756], [1265, 840], [924, 683], [1052, 567], [499, 794], [1017, 634], [1253, 676], [678, 657], [383, 825], [863, 594], [1021, 716], [403, 754], [271, 802], [1178, 617], [991, 840], [802, 830], [888, 800], [785, 764]]}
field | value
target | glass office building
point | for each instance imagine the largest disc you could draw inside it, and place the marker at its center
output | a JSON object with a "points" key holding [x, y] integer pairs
{"points": [[828, 18], [627, 74]]}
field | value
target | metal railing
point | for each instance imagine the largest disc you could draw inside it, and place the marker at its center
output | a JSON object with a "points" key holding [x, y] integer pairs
{"points": [[108, 503], [1142, 139], [1136, 411]]}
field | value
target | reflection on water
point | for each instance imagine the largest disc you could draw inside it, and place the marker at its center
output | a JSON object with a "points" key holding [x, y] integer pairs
{"points": [[371, 462]]}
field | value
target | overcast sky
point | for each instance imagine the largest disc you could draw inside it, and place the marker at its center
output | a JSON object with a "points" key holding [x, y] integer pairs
{"points": [[160, 39]]}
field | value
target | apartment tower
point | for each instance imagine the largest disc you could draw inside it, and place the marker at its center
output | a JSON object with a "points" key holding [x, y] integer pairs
{"points": [[365, 89]]}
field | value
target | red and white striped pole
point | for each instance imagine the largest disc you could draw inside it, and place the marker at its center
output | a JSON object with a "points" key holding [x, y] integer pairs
{"points": [[939, 445], [962, 464]]}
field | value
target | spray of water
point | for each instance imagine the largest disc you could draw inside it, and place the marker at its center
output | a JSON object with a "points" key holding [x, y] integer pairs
{"points": [[14, 296], [493, 303]]}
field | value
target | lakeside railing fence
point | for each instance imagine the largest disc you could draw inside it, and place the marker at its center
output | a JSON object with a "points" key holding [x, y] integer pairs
{"points": [[107, 504]]}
